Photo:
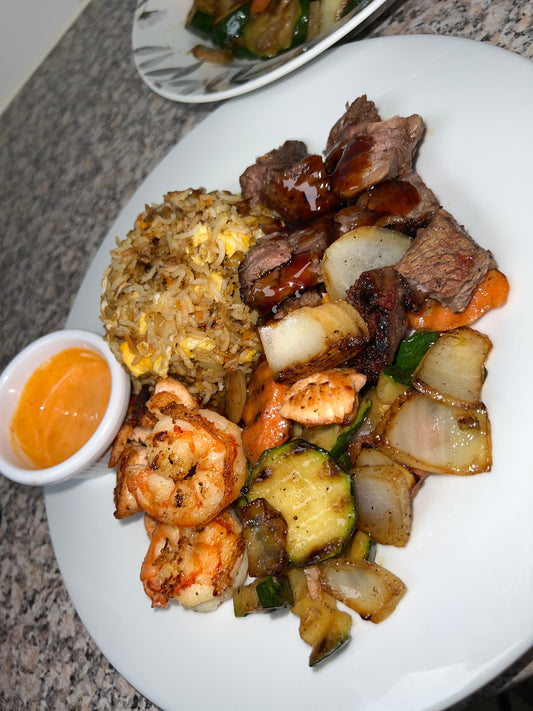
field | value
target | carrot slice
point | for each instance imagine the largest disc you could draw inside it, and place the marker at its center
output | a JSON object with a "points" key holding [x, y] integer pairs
{"points": [[264, 427], [258, 6], [491, 293]]}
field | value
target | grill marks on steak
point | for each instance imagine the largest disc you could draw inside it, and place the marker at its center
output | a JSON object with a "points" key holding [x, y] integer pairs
{"points": [[444, 263], [382, 297]]}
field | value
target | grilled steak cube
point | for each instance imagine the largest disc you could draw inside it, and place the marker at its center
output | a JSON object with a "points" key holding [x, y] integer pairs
{"points": [[382, 297], [445, 263], [380, 151]]}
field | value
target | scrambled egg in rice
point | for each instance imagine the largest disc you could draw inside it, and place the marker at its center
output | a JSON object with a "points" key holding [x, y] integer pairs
{"points": [[170, 298]]}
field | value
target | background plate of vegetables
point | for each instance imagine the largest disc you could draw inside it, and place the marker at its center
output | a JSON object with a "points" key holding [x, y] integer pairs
{"points": [[197, 51], [466, 614]]}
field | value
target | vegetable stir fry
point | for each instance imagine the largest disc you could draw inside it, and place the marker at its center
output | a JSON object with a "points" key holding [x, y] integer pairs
{"points": [[260, 28]]}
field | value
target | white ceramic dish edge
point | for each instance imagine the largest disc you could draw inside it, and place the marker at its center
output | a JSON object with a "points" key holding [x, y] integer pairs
{"points": [[12, 382]]}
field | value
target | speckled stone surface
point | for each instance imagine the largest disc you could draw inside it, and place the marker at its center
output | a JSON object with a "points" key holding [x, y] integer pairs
{"points": [[74, 144]]}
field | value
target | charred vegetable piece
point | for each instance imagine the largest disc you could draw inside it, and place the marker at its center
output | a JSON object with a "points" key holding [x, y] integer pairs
{"points": [[265, 535], [410, 352], [226, 31], [322, 625], [424, 433], [367, 588], [282, 25], [453, 369], [384, 501], [358, 251], [361, 547], [313, 338], [262, 595], [313, 494]]}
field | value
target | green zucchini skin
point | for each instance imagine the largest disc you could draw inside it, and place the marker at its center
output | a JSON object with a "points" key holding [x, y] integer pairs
{"points": [[282, 26], [272, 592], [225, 32], [201, 23], [314, 495], [322, 625]]}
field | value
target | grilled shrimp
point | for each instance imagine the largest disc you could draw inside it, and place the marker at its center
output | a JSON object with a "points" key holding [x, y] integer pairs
{"points": [[185, 468], [167, 392], [137, 424], [197, 566], [196, 467], [132, 460], [329, 397]]}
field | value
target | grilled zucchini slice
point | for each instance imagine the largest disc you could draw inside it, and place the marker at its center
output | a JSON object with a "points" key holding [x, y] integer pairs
{"points": [[313, 494]]}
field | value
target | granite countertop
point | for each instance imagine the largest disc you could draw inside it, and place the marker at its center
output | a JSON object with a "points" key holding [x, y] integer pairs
{"points": [[75, 143]]}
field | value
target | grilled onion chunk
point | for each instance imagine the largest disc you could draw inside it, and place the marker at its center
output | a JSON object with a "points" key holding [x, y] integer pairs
{"points": [[312, 338]]}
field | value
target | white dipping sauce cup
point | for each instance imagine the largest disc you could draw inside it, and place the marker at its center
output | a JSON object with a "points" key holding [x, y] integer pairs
{"points": [[12, 382]]}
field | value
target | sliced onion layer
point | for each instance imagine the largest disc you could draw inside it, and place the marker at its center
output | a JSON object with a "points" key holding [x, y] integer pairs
{"points": [[367, 588], [312, 338], [425, 433], [384, 502], [453, 369], [358, 251]]}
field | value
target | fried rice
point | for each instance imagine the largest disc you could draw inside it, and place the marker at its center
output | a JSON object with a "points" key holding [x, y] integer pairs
{"points": [[170, 300]]}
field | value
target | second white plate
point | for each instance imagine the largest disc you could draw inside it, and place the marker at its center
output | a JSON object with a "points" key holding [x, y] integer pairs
{"points": [[162, 53]]}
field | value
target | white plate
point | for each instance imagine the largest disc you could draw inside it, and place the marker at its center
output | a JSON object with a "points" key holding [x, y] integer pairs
{"points": [[162, 53], [467, 614]]}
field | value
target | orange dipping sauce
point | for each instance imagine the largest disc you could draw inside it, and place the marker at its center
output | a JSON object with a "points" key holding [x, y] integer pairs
{"points": [[61, 406]]}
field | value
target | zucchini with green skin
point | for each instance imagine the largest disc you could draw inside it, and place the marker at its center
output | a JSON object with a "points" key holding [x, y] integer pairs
{"points": [[280, 27], [217, 20], [338, 451], [313, 494], [200, 23], [322, 625], [201, 17], [361, 547], [409, 354], [266, 594], [335, 438], [225, 32]]}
